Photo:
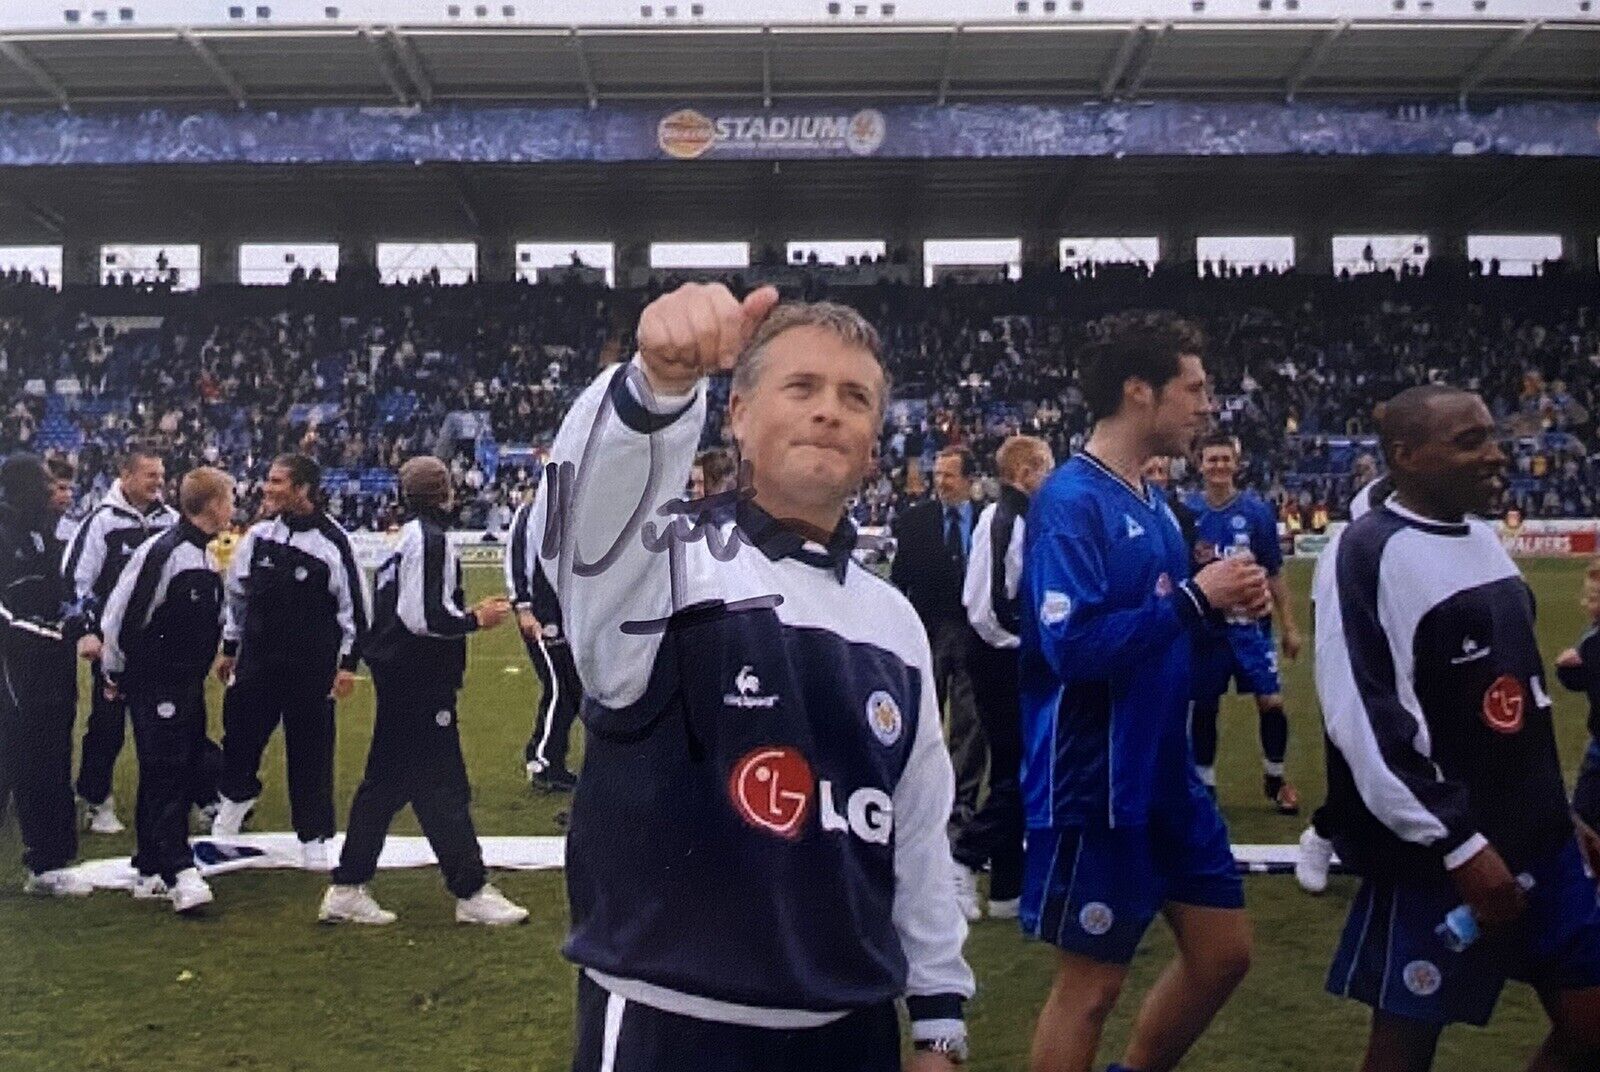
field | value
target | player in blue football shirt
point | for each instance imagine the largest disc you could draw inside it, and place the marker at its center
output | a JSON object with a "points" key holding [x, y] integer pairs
{"points": [[1119, 826], [1230, 521]]}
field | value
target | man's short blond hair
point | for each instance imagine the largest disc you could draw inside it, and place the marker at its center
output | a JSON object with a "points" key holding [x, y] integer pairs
{"points": [[1016, 452], [840, 321], [200, 488]]}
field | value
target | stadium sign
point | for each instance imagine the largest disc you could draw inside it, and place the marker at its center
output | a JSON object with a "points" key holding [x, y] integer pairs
{"points": [[516, 134], [1529, 539], [687, 134]]}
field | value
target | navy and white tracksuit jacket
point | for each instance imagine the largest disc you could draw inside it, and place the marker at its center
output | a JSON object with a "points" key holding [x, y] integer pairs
{"points": [[102, 546], [759, 836]]}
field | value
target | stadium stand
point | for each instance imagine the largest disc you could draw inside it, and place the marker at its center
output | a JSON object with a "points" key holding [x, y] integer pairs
{"points": [[363, 376]]}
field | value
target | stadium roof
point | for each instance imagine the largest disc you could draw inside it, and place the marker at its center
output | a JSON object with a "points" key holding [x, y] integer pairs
{"points": [[772, 202], [402, 63]]}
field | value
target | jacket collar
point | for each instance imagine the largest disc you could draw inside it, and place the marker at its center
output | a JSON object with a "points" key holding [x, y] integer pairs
{"points": [[776, 540], [193, 534], [1014, 497], [301, 522]]}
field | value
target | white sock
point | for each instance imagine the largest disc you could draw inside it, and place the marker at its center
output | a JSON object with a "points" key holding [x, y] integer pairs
{"points": [[1274, 770], [1208, 775]]}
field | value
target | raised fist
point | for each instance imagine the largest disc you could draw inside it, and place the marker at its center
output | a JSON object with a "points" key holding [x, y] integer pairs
{"points": [[698, 329]]}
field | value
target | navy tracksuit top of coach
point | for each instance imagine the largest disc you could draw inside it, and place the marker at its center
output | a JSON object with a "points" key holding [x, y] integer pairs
{"points": [[761, 819]]}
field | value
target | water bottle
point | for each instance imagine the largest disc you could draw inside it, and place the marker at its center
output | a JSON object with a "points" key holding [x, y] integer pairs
{"points": [[1460, 927], [1240, 548]]}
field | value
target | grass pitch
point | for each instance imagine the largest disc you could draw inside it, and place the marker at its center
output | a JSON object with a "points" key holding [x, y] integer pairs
{"points": [[111, 984]]}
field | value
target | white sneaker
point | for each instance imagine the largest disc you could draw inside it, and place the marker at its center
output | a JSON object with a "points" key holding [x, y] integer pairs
{"points": [[103, 818], [1005, 909], [190, 891], [966, 881], [352, 904], [58, 883], [314, 855], [490, 907], [150, 888], [533, 766], [1312, 861], [230, 817]]}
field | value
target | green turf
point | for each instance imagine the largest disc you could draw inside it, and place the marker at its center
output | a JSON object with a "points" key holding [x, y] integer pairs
{"points": [[113, 984]]}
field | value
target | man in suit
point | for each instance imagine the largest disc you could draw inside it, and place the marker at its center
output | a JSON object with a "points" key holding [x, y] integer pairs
{"points": [[933, 541]]}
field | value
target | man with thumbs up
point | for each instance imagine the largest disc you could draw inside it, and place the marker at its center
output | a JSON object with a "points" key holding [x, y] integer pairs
{"points": [[757, 864]]}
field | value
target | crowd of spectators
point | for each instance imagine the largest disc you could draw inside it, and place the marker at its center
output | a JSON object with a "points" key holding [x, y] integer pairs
{"points": [[361, 376]]}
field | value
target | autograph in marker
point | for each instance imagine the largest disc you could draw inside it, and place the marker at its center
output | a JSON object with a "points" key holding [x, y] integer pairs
{"points": [[688, 521]]}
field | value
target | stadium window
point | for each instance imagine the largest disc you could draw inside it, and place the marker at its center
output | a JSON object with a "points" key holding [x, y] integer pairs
{"points": [[71, 15], [1022, 7], [263, 12], [1198, 6], [272, 263], [1264, 5], [670, 11], [99, 17], [482, 11], [1378, 253], [175, 264], [454, 11], [646, 11], [836, 252], [406, 262], [1517, 254], [508, 11], [1077, 5], [41, 263], [236, 13], [697, 10], [1253, 252], [971, 258], [125, 14], [1049, 7], [331, 12], [1291, 5], [833, 9], [699, 255], [536, 257], [861, 11], [1081, 251], [888, 11]]}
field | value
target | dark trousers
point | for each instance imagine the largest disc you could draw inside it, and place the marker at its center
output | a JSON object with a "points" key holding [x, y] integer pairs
{"points": [[559, 692], [251, 710], [994, 836], [36, 761], [646, 1039], [951, 639], [102, 740], [178, 768], [415, 759]]}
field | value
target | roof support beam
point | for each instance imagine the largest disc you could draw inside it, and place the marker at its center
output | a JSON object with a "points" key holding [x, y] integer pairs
{"points": [[1140, 68], [1495, 58], [40, 77], [1119, 62], [1314, 59], [467, 198], [591, 90], [948, 70], [766, 66], [43, 215], [406, 53], [385, 65], [209, 60]]}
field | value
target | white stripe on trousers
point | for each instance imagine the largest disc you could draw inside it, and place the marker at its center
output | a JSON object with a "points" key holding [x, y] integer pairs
{"points": [[608, 1045], [549, 705]]}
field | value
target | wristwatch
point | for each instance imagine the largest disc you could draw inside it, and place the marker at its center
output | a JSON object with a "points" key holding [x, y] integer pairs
{"points": [[951, 1047]]}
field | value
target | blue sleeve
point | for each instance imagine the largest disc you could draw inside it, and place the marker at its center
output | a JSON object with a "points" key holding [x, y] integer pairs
{"points": [[1268, 551], [1082, 634]]}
